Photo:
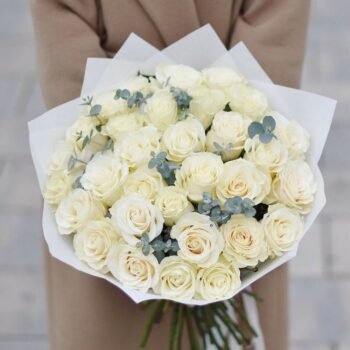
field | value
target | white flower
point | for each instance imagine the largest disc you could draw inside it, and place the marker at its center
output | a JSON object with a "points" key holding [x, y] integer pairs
{"points": [[221, 77], [138, 83], [177, 279], [199, 173], [161, 109], [133, 269], [270, 157], [147, 182], [180, 76], [123, 123], [57, 186], [206, 103], [199, 239], [110, 106], [245, 243], [229, 131], [93, 242], [219, 281], [173, 204], [133, 215], [242, 178], [295, 186], [183, 138], [283, 228], [135, 148], [248, 101], [104, 176], [59, 158], [76, 210]]}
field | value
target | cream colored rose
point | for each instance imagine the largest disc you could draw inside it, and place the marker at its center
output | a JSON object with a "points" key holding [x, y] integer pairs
{"points": [[173, 204], [242, 178], [221, 77], [134, 215], [57, 186], [93, 242], [76, 210], [177, 279], [133, 269], [206, 103], [283, 228], [147, 182], [183, 138], [245, 243], [199, 173], [135, 148], [59, 158], [292, 135], [138, 83], [219, 281], [248, 101], [229, 131], [161, 109], [104, 177], [270, 157], [123, 123], [110, 106], [178, 75], [199, 239], [295, 186]]}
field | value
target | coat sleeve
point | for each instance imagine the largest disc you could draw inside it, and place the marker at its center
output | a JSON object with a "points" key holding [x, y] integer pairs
{"points": [[275, 32], [66, 35]]}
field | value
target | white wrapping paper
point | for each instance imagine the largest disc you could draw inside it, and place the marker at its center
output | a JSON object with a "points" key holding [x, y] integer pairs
{"points": [[199, 49]]}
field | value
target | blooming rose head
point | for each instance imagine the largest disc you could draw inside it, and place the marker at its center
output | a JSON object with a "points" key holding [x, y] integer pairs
{"points": [[132, 268], [60, 156], [283, 228], [57, 186], [133, 215], [93, 242], [199, 173], [199, 239], [104, 176], [177, 279], [219, 281], [75, 210], [242, 178], [183, 138], [245, 243], [295, 186], [230, 131], [173, 203], [110, 106], [221, 77]]}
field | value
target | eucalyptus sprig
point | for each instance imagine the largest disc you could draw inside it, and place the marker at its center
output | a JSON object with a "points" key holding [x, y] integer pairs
{"points": [[133, 99], [147, 76], [239, 205], [95, 110], [73, 160], [264, 129], [164, 167], [183, 100]]}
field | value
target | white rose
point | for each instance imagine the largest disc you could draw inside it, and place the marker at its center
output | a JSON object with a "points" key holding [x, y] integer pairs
{"points": [[242, 178], [270, 157], [245, 243], [93, 242], [59, 158], [104, 176], [123, 123], [199, 173], [219, 281], [110, 106], [135, 148], [57, 186], [283, 228], [161, 109], [206, 103], [76, 210], [173, 203], [199, 239], [248, 101], [177, 279], [221, 77], [292, 135], [178, 75], [138, 83], [134, 215], [230, 131], [183, 138], [147, 182], [132, 268], [295, 186]]}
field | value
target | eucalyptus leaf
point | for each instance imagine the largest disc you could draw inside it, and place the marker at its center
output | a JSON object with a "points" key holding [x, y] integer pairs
{"points": [[95, 110]]}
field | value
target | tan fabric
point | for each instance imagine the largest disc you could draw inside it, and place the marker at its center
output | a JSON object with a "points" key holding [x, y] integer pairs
{"points": [[88, 313]]}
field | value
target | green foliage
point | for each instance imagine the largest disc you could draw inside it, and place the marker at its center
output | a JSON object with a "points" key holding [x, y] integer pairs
{"points": [[133, 99], [227, 107], [264, 129], [87, 101], [164, 167], [183, 100], [147, 76], [95, 110]]}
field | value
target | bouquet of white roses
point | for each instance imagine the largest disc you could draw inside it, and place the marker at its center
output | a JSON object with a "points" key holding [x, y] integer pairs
{"points": [[181, 181]]}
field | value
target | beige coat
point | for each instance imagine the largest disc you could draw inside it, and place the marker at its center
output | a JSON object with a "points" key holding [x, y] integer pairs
{"points": [[88, 313]]}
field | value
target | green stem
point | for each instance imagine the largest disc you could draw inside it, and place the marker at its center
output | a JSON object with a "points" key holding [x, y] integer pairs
{"points": [[218, 326], [243, 317], [179, 327], [192, 334], [201, 330]]}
